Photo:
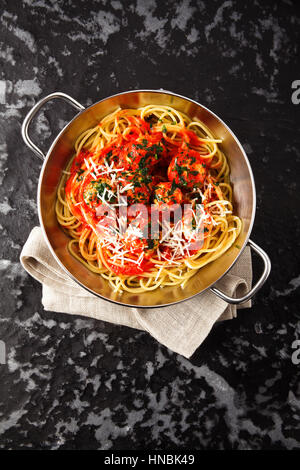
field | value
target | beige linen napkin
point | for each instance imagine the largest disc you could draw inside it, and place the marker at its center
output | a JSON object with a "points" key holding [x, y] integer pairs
{"points": [[181, 327]]}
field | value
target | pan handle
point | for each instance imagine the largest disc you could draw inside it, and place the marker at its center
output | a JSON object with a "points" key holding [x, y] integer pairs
{"points": [[34, 111], [257, 286]]}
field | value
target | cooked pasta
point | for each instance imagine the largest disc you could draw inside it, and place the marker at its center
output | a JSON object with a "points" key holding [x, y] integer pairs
{"points": [[147, 199]]}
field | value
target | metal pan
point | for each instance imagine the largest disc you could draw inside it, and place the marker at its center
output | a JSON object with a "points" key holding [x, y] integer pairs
{"points": [[61, 151]]}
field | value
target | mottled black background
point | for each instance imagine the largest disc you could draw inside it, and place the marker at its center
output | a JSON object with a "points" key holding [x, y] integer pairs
{"points": [[74, 383]]}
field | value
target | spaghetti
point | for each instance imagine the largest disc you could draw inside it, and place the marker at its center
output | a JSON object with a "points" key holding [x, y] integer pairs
{"points": [[146, 200]]}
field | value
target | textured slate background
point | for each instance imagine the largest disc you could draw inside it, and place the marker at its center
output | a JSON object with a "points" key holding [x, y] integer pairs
{"points": [[78, 383]]}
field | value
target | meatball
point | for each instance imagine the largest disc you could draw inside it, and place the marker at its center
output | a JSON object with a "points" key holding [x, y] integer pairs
{"points": [[136, 187], [187, 169], [96, 191], [167, 193], [145, 152]]}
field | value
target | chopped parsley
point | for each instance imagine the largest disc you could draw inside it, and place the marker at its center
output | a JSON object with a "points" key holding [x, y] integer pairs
{"points": [[150, 244], [79, 173], [173, 187]]}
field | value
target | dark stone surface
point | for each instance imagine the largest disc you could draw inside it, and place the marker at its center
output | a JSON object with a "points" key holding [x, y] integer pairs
{"points": [[79, 383]]}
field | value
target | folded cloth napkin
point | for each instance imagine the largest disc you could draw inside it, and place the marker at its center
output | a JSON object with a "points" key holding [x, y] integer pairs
{"points": [[181, 327]]}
